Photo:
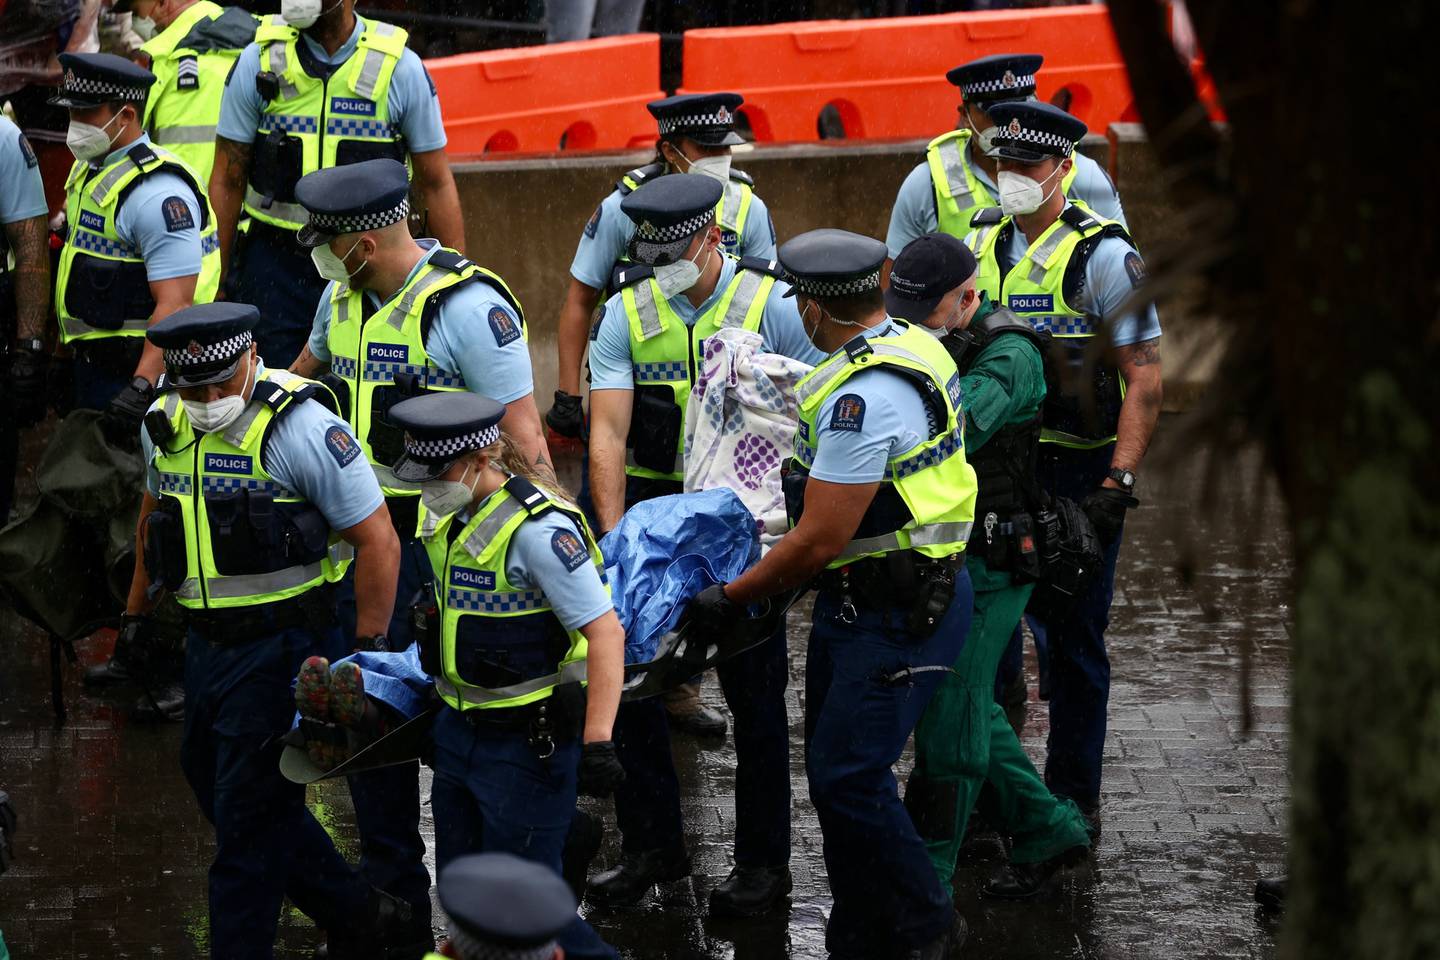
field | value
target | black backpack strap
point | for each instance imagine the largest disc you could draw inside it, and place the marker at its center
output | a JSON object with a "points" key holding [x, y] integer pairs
{"points": [[740, 176], [141, 153], [770, 268], [1074, 282], [1079, 217], [626, 274], [449, 260], [639, 175], [986, 216], [530, 496]]}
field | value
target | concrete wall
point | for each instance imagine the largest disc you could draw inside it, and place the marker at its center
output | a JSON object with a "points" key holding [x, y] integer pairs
{"points": [[524, 216]]}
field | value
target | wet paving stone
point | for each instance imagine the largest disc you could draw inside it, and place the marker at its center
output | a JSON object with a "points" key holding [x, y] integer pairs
{"points": [[112, 855]]}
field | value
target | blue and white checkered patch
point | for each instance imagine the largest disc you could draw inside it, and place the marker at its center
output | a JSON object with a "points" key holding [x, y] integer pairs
{"points": [[209, 484], [480, 602], [1064, 326], [346, 127], [937, 454], [666, 371], [343, 366], [176, 483], [94, 243], [290, 123]]}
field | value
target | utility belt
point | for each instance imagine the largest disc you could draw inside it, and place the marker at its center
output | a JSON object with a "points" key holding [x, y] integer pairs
{"points": [[557, 719], [921, 586], [236, 626], [1007, 544], [1070, 559], [113, 355]]}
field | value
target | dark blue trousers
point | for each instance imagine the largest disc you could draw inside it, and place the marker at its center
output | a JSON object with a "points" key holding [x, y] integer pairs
{"points": [[888, 898], [273, 272], [96, 384], [491, 792], [267, 845]]}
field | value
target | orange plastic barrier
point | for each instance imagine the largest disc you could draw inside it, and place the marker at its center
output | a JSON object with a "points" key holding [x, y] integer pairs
{"points": [[886, 78], [585, 95]]}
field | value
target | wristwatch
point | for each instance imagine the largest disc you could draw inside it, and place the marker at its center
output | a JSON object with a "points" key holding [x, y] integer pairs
{"points": [[1125, 478], [33, 344]]}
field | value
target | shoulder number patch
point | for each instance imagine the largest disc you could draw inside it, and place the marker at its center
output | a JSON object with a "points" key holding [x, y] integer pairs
{"points": [[1134, 269], [504, 327], [593, 224], [569, 549], [341, 445], [849, 413], [177, 215], [28, 152]]}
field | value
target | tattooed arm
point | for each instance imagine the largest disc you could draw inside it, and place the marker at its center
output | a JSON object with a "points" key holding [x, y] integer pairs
{"points": [[227, 192], [29, 238], [1140, 365]]}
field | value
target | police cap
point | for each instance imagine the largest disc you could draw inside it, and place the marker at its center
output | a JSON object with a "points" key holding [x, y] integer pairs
{"points": [[927, 269], [706, 118], [204, 343], [1004, 76], [832, 263], [505, 907], [1031, 132], [668, 211], [440, 428], [92, 79], [352, 198]]}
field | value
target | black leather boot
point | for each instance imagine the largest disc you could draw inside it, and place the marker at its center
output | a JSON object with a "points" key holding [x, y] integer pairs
{"points": [[1270, 893], [945, 947], [636, 873], [1019, 881], [582, 843], [750, 891], [167, 707]]}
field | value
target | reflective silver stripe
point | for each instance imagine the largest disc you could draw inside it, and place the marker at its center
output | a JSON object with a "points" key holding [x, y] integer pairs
{"points": [[749, 286], [420, 288], [280, 65], [369, 73], [567, 673], [260, 584], [490, 527], [955, 174], [823, 375], [342, 308], [647, 311], [235, 433], [1048, 246], [292, 212], [75, 327], [380, 28], [730, 203], [982, 234], [679, 466], [171, 402], [926, 536], [185, 133], [108, 182]]}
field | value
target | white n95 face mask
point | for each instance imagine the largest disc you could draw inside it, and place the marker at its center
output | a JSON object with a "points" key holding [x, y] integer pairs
{"points": [[675, 278], [715, 167], [1019, 194], [446, 497], [985, 140], [304, 13], [144, 27], [89, 142], [332, 267], [218, 414]]}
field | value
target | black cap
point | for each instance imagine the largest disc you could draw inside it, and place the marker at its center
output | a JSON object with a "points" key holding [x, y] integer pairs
{"points": [[440, 428], [832, 263], [513, 907], [706, 118], [204, 343], [668, 211], [352, 198], [927, 269], [1030, 131], [1003, 76], [92, 79]]}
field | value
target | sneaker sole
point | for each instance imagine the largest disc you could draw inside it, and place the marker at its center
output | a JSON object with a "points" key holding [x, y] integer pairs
{"points": [[347, 695]]}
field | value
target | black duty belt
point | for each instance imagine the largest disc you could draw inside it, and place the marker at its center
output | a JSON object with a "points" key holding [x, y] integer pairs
{"points": [[236, 626], [112, 354], [886, 581]]}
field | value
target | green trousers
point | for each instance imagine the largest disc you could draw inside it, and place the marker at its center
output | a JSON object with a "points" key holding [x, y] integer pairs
{"points": [[963, 739]]}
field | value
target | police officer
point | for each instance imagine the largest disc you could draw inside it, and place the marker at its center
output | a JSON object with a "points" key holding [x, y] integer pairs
{"points": [[320, 87], [402, 316], [959, 175], [963, 737], [24, 297], [523, 642], [503, 908], [1072, 274], [881, 500], [257, 499], [140, 240], [644, 356], [190, 46]]}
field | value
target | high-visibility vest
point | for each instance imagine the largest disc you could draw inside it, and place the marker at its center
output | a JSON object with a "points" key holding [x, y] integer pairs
{"points": [[926, 501], [1080, 412], [191, 59], [500, 646], [313, 123], [369, 352], [246, 540], [101, 287], [731, 212], [666, 354], [958, 192]]}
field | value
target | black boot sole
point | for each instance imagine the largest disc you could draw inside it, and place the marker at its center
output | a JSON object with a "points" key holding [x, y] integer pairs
{"points": [[597, 896], [724, 908], [1062, 862]]}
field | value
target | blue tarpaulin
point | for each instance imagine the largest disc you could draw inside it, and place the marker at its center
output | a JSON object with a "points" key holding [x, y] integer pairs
{"points": [[395, 679], [666, 550]]}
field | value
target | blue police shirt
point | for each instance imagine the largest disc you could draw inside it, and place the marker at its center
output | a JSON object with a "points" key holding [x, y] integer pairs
{"points": [[414, 107], [167, 238], [22, 192], [543, 556], [462, 339], [342, 487], [875, 416], [607, 235], [781, 331], [915, 215], [1113, 271]]}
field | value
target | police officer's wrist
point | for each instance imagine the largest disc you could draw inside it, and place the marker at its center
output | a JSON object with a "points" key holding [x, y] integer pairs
{"points": [[30, 344]]}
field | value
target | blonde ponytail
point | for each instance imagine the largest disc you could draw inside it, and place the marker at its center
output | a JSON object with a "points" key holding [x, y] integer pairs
{"points": [[507, 455]]}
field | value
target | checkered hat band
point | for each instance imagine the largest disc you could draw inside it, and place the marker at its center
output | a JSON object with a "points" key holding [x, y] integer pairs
{"points": [[837, 288], [339, 223], [697, 121], [438, 451], [468, 945], [196, 354], [1019, 85], [1007, 136], [102, 89], [650, 233]]}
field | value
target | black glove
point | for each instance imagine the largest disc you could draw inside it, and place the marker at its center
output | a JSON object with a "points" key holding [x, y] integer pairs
{"points": [[127, 410], [712, 611], [27, 386], [60, 385], [566, 417], [1106, 509], [600, 769], [375, 644], [7, 829], [137, 644]]}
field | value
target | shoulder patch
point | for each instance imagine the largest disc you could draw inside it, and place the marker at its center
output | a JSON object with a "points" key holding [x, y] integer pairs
{"points": [[1134, 268], [28, 152], [593, 224], [504, 327], [849, 413], [177, 214], [569, 549], [341, 445]]}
